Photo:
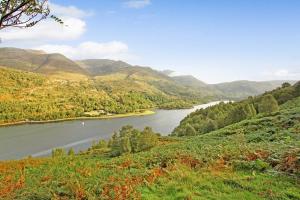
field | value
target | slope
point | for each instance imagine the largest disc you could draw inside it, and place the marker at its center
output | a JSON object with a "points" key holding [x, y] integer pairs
{"points": [[37, 61]]}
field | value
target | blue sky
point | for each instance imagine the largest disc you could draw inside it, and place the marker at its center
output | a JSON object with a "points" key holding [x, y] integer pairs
{"points": [[214, 40]]}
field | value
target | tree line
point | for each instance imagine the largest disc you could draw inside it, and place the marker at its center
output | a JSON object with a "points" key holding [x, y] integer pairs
{"points": [[218, 116]]}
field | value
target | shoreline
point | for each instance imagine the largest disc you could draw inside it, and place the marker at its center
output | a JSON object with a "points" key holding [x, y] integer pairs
{"points": [[106, 117]]}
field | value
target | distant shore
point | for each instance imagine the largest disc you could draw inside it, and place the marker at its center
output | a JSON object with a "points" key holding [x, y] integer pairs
{"points": [[143, 113]]}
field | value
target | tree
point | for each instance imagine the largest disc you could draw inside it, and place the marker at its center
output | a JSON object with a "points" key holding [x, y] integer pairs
{"points": [[297, 89], [147, 139], [268, 104], [209, 125], [190, 130], [24, 13], [71, 152], [286, 84]]}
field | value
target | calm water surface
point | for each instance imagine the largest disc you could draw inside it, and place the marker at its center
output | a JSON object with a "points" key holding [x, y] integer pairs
{"points": [[38, 139]]}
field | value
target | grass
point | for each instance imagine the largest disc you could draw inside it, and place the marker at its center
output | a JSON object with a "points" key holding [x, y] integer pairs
{"points": [[254, 159]]}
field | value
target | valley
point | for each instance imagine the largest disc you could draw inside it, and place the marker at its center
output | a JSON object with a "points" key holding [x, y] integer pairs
{"points": [[37, 86]]}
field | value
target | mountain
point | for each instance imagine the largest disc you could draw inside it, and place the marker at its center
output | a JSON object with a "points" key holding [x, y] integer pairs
{"points": [[243, 89], [37, 61], [190, 81], [102, 66], [122, 76]]}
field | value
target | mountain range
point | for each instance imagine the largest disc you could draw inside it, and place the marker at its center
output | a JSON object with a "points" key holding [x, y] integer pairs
{"points": [[110, 71]]}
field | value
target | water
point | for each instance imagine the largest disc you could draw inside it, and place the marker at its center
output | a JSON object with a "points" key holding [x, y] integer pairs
{"points": [[39, 139]]}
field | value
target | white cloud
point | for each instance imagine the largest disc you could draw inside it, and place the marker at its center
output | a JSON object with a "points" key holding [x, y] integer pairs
{"points": [[87, 50], [70, 11], [72, 28], [137, 3]]}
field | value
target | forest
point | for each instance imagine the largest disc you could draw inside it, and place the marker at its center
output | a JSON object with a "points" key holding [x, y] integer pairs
{"points": [[27, 96], [224, 114]]}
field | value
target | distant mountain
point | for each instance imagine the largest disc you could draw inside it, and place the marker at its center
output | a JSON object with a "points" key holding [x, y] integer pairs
{"points": [[190, 81], [102, 66], [118, 74], [233, 90], [37, 61], [243, 89], [167, 72]]}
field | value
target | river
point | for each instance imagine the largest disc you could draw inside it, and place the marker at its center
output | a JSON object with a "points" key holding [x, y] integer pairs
{"points": [[37, 140]]}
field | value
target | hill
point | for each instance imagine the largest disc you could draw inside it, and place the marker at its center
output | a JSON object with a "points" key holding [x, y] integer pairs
{"points": [[190, 81], [235, 90], [179, 86], [28, 96], [243, 89], [257, 158], [224, 114], [37, 61], [102, 66]]}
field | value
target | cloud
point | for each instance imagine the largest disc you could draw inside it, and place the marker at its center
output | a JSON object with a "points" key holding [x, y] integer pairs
{"points": [[72, 29], [74, 26], [70, 11], [137, 3], [115, 50]]}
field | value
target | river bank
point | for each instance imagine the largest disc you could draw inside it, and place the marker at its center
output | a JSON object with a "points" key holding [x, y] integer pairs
{"points": [[143, 113]]}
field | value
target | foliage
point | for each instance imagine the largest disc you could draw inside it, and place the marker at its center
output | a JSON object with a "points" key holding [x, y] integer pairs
{"points": [[26, 96], [23, 13], [268, 104], [130, 140], [221, 115]]}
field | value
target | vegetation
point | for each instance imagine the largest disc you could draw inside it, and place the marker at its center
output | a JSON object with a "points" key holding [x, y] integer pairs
{"points": [[128, 140], [23, 13], [26, 96], [224, 114], [257, 158]]}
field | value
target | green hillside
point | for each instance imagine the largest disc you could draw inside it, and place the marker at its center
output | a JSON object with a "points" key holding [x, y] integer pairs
{"points": [[27, 96], [51, 87], [189, 86], [102, 66], [257, 158], [224, 114]]}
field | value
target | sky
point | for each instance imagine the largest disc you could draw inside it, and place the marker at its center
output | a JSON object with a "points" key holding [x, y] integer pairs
{"points": [[213, 40]]}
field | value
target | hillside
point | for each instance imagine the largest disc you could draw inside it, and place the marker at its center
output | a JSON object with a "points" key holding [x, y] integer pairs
{"points": [[257, 158], [190, 81], [187, 87], [215, 117], [28, 96], [243, 89], [235, 90], [57, 64], [102, 66], [37, 61]]}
